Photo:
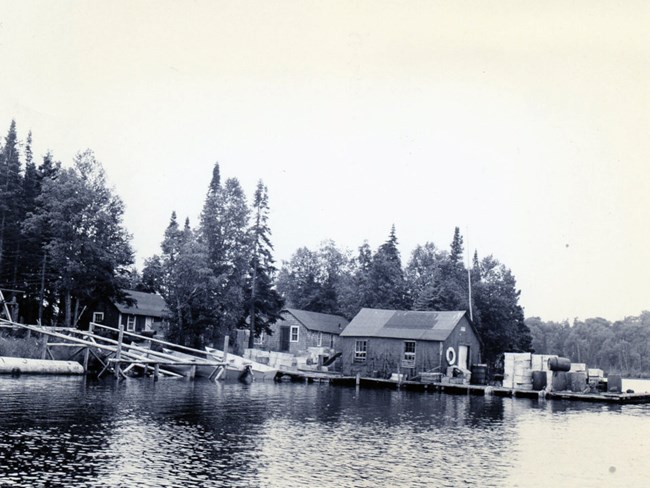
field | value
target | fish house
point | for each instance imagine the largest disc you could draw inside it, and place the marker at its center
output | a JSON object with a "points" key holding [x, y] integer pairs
{"points": [[378, 343], [147, 312], [301, 329]]}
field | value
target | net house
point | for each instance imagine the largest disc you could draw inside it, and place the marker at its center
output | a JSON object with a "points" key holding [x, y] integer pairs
{"points": [[300, 329], [378, 343]]}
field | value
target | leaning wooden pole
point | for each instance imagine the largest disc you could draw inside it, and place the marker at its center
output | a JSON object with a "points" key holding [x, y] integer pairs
{"points": [[118, 354], [87, 352]]}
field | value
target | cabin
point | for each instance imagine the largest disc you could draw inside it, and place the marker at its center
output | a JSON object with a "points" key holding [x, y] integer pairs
{"points": [[148, 312], [300, 330], [379, 343]]}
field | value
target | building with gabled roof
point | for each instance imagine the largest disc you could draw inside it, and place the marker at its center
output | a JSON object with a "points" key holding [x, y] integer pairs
{"points": [[382, 342], [139, 313], [302, 329]]}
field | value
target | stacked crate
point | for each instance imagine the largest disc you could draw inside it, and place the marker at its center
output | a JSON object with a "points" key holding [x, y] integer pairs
{"points": [[517, 370]]}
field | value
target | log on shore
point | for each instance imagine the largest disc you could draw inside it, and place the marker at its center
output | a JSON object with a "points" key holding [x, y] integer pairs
{"points": [[15, 366]]}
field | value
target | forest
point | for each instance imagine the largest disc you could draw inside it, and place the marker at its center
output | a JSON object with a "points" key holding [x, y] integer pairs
{"points": [[622, 346], [64, 247]]}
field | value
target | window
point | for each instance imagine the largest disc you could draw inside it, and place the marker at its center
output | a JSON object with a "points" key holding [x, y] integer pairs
{"points": [[409, 354], [294, 333], [148, 323], [98, 317], [360, 351], [259, 340], [320, 339], [130, 323]]}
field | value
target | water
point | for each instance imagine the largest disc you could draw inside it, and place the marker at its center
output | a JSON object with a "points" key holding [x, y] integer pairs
{"points": [[177, 433]]}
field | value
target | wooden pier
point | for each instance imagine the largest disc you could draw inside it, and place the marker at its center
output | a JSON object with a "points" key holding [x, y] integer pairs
{"points": [[457, 389]]}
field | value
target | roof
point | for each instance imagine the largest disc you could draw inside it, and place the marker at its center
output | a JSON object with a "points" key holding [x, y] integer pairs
{"points": [[148, 304], [395, 324], [320, 322]]}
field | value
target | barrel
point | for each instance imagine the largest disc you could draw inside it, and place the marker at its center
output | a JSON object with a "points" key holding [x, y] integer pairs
{"points": [[559, 364], [576, 381], [539, 380], [479, 374], [559, 381], [614, 383]]}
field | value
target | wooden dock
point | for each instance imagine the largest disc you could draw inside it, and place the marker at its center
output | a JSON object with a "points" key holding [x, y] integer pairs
{"points": [[456, 389]]}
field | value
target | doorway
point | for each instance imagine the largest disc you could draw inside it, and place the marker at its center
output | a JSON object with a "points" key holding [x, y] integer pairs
{"points": [[463, 356], [284, 339]]}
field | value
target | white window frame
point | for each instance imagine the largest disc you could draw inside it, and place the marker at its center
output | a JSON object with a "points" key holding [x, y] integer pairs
{"points": [[130, 323], [409, 355], [296, 329], [360, 351], [320, 339], [259, 340], [148, 323], [98, 317]]}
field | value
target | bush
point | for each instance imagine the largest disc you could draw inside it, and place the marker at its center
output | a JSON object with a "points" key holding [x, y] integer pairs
{"points": [[21, 347]]}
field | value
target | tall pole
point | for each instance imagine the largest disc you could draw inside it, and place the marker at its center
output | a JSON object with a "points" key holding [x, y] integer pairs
{"points": [[42, 293], [469, 275]]}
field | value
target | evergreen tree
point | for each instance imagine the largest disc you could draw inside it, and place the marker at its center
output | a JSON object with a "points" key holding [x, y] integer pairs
{"points": [[456, 252], [224, 230], [387, 287], [265, 303], [10, 208]]}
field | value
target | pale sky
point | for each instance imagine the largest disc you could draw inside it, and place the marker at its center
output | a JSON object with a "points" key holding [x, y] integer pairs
{"points": [[524, 123]]}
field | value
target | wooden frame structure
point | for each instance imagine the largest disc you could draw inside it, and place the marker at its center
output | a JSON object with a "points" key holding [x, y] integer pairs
{"points": [[118, 357]]}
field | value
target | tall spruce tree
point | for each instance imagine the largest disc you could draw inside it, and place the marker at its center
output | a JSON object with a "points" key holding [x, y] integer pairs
{"points": [[224, 230], [265, 302]]}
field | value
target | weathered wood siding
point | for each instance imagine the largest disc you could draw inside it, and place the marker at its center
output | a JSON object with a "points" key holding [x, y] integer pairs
{"points": [[385, 356], [463, 335], [306, 337]]}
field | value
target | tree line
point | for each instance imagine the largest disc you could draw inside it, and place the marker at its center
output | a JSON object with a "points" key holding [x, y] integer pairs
{"points": [[62, 239], [63, 247], [622, 346], [330, 280]]}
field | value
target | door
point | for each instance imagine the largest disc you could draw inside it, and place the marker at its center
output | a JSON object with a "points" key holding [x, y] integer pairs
{"points": [[284, 339], [463, 355]]}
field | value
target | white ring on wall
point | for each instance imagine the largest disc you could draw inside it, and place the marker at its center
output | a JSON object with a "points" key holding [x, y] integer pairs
{"points": [[451, 355]]}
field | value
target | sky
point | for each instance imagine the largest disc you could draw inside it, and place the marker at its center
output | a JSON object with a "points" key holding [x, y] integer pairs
{"points": [[524, 123]]}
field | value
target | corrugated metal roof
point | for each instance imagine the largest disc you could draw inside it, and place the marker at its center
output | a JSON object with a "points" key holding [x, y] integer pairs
{"points": [[415, 325], [320, 322], [148, 304]]}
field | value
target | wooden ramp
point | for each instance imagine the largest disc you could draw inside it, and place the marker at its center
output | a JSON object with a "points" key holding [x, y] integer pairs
{"points": [[116, 356]]}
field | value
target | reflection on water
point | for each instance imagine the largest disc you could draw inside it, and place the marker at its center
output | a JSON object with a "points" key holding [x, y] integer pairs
{"points": [[78, 432]]}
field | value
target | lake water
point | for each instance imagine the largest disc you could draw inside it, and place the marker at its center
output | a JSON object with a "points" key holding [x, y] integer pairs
{"points": [[177, 433]]}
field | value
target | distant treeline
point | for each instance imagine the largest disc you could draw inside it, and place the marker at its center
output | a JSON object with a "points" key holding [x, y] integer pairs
{"points": [[619, 347], [63, 248]]}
